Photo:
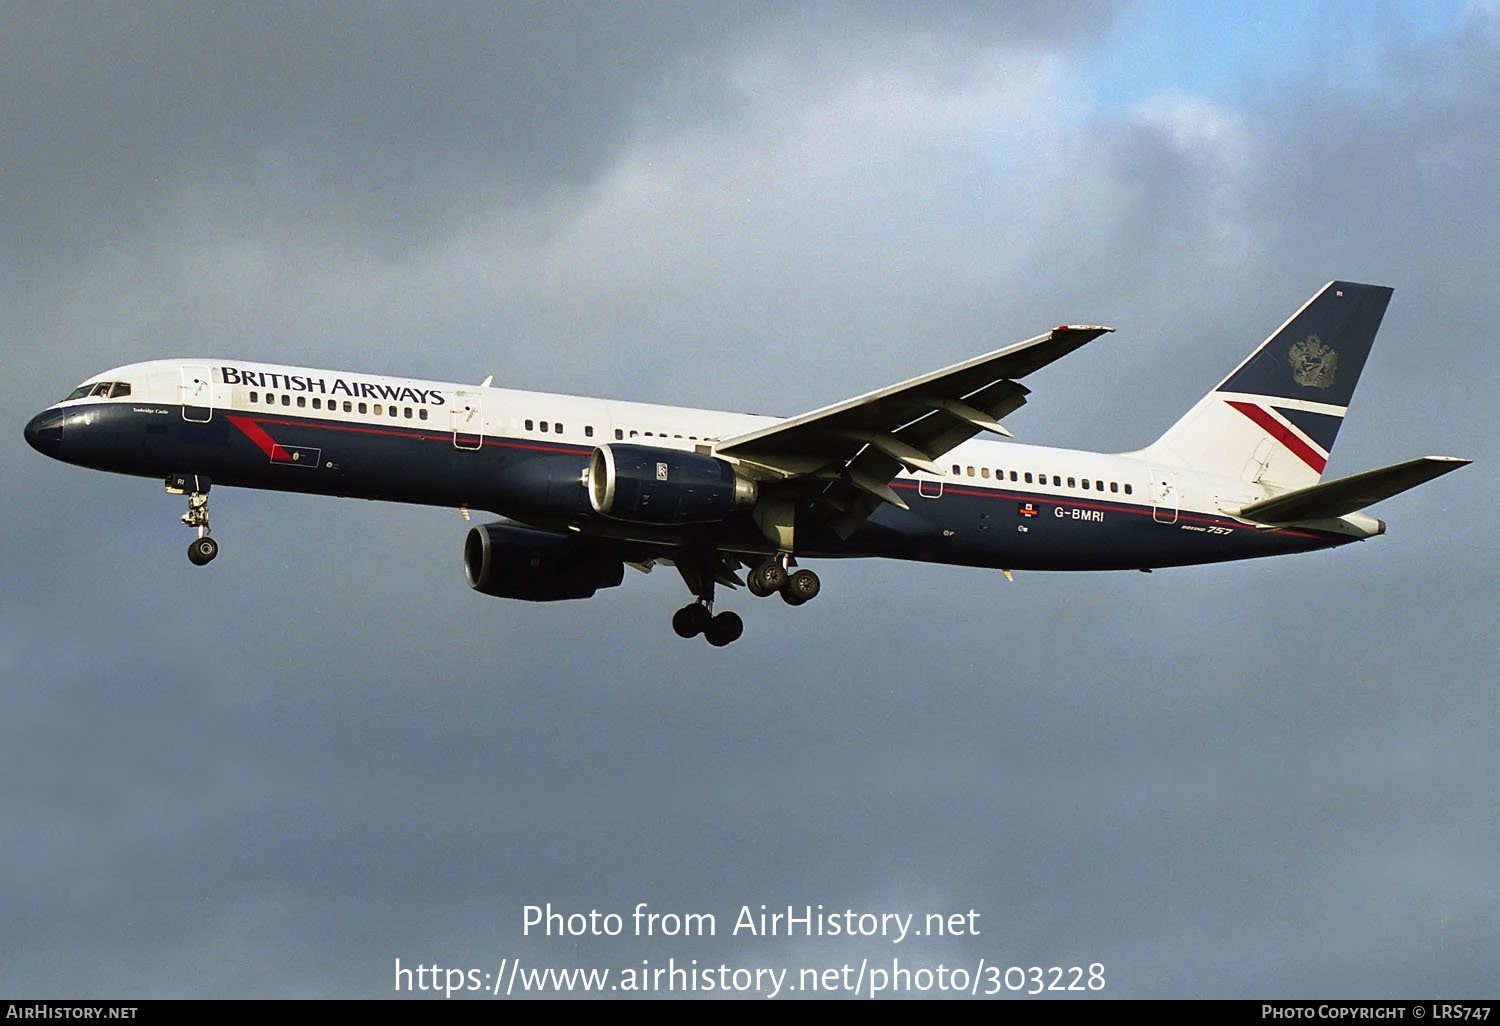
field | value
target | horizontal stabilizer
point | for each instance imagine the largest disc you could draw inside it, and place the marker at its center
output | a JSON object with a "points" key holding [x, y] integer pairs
{"points": [[1347, 494]]}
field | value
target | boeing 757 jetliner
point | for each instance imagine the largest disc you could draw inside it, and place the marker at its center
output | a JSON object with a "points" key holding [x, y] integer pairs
{"points": [[587, 486]]}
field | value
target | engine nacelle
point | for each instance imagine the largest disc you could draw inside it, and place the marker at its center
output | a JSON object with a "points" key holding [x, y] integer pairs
{"points": [[516, 562], [648, 485]]}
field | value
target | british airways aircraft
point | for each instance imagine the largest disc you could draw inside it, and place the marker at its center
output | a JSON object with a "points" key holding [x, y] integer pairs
{"points": [[587, 486]]}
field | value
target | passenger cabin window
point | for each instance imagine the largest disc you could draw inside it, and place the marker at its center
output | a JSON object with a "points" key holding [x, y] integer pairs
{"points": [[588, 431], [619, 433], [529, 426], [364, 408], [1127, 490], [317, 403], [422, 413], [544, 427], [302, 401], [255, 397], [286, 400]]}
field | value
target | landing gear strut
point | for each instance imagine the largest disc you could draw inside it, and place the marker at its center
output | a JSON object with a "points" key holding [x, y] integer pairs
{"points": [[203, 548]]}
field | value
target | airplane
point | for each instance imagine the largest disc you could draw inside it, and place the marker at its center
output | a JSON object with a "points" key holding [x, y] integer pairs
{"points": [[586, 486]]}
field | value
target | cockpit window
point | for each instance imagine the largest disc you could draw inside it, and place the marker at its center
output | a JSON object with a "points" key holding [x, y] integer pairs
{"points": [[100, 390]]}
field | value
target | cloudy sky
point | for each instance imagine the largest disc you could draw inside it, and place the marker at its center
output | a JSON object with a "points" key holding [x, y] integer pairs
{"points": [[277, 775]]}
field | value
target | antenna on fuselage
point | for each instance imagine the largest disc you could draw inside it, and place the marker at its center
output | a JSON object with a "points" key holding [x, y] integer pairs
{"points": [[486, 382]]}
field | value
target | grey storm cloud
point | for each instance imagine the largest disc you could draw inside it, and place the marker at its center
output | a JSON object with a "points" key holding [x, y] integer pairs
{"points": [[277, 775], [397, 111]]}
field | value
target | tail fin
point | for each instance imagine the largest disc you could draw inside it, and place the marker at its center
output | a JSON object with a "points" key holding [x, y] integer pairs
{"points": [[1274, 419]]}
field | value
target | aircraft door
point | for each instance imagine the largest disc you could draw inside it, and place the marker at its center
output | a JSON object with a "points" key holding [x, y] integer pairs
{"points": [[1163, 489], [467, 419], [196, 392]]}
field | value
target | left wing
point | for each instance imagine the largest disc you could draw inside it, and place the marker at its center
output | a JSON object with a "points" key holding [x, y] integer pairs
{"points": [[856, 447]]}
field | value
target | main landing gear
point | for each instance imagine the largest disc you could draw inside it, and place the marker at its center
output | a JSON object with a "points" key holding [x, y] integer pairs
{"points": [[700, 572], [203, 548], [698, 618], [775, 575]]}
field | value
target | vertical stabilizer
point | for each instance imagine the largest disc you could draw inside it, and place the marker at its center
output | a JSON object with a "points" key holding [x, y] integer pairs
{"points": [[1274, 419]]}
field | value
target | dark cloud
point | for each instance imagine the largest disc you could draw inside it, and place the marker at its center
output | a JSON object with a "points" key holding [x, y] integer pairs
{"points": [[389, 114]]}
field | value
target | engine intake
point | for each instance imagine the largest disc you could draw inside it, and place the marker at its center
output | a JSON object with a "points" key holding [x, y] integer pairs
{"points": [[516, 562], [648, 485]]}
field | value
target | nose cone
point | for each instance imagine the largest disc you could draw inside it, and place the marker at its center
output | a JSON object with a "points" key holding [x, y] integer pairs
{"points": [[44, 432]]}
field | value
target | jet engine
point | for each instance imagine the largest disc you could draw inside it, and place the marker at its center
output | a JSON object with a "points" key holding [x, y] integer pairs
{"points": [[647, 485], [517, 562]]}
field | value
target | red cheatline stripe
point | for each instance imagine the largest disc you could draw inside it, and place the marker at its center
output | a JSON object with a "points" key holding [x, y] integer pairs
{"points": [[1069, 500], [257, 434], [402, 433], [1283, 434]]}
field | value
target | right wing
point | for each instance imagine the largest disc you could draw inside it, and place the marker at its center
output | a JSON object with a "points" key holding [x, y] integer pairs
{"points": [[854, 448]]}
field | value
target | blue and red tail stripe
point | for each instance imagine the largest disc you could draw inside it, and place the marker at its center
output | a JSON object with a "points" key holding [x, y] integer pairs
{"points": [[1273, 421]]}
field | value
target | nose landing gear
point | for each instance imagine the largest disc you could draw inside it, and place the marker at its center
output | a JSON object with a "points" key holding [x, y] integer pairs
{"points": [[203, 548]]}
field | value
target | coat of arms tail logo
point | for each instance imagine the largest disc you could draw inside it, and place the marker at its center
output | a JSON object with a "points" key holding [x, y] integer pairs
{"points": [[1313, 363]]}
